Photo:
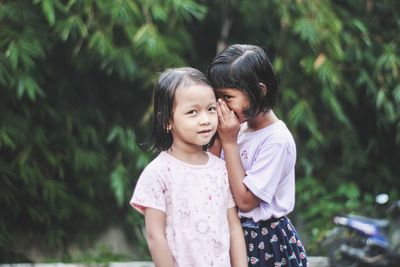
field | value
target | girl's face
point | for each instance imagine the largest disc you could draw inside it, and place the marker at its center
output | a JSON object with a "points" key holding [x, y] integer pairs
{"points": [[194, 116], [236, 100]]}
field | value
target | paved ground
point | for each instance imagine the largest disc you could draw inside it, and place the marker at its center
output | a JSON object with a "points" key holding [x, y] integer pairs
{"points": [[314, 262], [319, 262]]}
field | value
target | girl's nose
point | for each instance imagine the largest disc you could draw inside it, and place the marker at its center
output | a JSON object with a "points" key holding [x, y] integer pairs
{"points": [[205, 119]]}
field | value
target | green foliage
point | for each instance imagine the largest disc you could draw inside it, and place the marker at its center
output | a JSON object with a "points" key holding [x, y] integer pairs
{"points": [[76, 78], [338, 69], [346, 198], [75, 91], [101, 254]]}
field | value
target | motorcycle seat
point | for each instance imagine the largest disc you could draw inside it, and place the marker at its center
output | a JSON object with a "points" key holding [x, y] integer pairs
{"points": [[381, 223]]}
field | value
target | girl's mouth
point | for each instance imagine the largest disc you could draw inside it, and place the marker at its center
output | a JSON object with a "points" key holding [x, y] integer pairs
{"points": [[205, 131]]}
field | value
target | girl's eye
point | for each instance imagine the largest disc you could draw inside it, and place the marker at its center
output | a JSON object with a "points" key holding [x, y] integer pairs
{"points": [[227, 97], [192, 112], [212, 109]]}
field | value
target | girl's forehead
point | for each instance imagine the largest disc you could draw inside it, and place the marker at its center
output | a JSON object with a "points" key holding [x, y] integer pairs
{"points": [[194, 93], [194, 89]]}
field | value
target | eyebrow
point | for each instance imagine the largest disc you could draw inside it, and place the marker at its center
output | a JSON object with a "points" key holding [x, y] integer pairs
{"points": [[197, 105]]}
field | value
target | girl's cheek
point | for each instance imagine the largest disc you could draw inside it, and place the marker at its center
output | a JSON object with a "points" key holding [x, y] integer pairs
{"points": [[215, 120]]}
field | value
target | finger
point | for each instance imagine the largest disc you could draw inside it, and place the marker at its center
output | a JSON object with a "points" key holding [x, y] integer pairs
{"points": [[224, 108], [221, 118], [233, 116]]}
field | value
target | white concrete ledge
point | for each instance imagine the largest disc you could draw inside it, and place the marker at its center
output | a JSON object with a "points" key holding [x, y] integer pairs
{"points": [[107, 264], [314, 262]]}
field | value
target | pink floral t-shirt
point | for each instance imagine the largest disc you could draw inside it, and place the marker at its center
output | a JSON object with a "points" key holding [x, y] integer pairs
{"points": [[195, 199]]}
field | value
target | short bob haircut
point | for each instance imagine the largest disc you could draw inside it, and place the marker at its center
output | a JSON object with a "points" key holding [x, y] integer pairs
{"points": [[244, 67], [164, 94]]}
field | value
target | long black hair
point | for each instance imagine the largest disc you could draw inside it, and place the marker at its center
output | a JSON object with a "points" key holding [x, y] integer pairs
{"points": [[164, 93], [244, 67]]}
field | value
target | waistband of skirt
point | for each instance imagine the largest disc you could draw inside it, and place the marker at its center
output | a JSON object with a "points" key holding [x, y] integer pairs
{"points": [[261, 222]]}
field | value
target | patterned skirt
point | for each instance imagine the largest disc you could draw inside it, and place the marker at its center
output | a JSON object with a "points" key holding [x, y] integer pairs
{"points": [[273, 243]]}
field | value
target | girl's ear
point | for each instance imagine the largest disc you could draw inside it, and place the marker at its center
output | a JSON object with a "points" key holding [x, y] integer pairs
{"points": [[263, 89]]}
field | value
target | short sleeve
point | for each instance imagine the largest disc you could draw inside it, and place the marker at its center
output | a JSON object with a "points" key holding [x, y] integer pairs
{"points": [[149, 192], [265, 174]]}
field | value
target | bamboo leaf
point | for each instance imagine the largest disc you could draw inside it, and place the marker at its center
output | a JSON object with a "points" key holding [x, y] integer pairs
{"points": [[380, 98], [116, 132], [307, 31], [27, 85], [48, 10], [335, 106], [189, 8], [396, 93], [12, 54], [119, 183], [101, 43]]}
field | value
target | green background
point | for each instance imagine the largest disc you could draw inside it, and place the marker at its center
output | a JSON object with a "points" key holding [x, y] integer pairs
{"points": [[76, 80]]}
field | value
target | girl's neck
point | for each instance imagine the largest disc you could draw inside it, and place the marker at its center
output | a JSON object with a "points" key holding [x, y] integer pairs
{"points": [[194, 156], [262, 120]]}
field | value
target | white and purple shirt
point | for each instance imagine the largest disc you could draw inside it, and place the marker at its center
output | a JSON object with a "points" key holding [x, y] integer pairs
{"points": [[268, 156]]}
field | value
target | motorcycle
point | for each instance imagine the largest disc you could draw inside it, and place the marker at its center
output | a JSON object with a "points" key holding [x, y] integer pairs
{"points": [[359, 241]]}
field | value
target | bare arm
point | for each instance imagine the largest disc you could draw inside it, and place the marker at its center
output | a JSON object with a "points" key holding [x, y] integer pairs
{"points": [[156, 239], [244, 198], [228, 129], [237, 243]]}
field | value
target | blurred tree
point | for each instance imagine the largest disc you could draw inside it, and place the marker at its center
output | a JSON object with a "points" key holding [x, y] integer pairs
{"points": [[76, 79], [338, 65]]}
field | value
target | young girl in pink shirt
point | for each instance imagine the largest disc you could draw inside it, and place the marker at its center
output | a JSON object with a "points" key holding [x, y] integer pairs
{"points": [[191, 218], [260, 155]]}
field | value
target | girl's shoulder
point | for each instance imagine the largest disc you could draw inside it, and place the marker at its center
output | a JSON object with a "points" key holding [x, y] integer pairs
{"points": [[214, 159], [273, 138], [156, 165], [276, 131], [280, 133]]}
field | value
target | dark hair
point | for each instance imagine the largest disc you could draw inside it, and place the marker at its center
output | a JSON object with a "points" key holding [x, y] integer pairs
{"points": [[244, 67], [164, 93]]}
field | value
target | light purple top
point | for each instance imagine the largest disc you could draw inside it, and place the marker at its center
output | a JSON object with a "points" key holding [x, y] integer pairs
{"points": [[195, 200], [268, 156]]}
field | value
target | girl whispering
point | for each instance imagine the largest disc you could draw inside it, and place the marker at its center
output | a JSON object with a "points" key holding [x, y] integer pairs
{"points": [[191, 218], [260, 155]]}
